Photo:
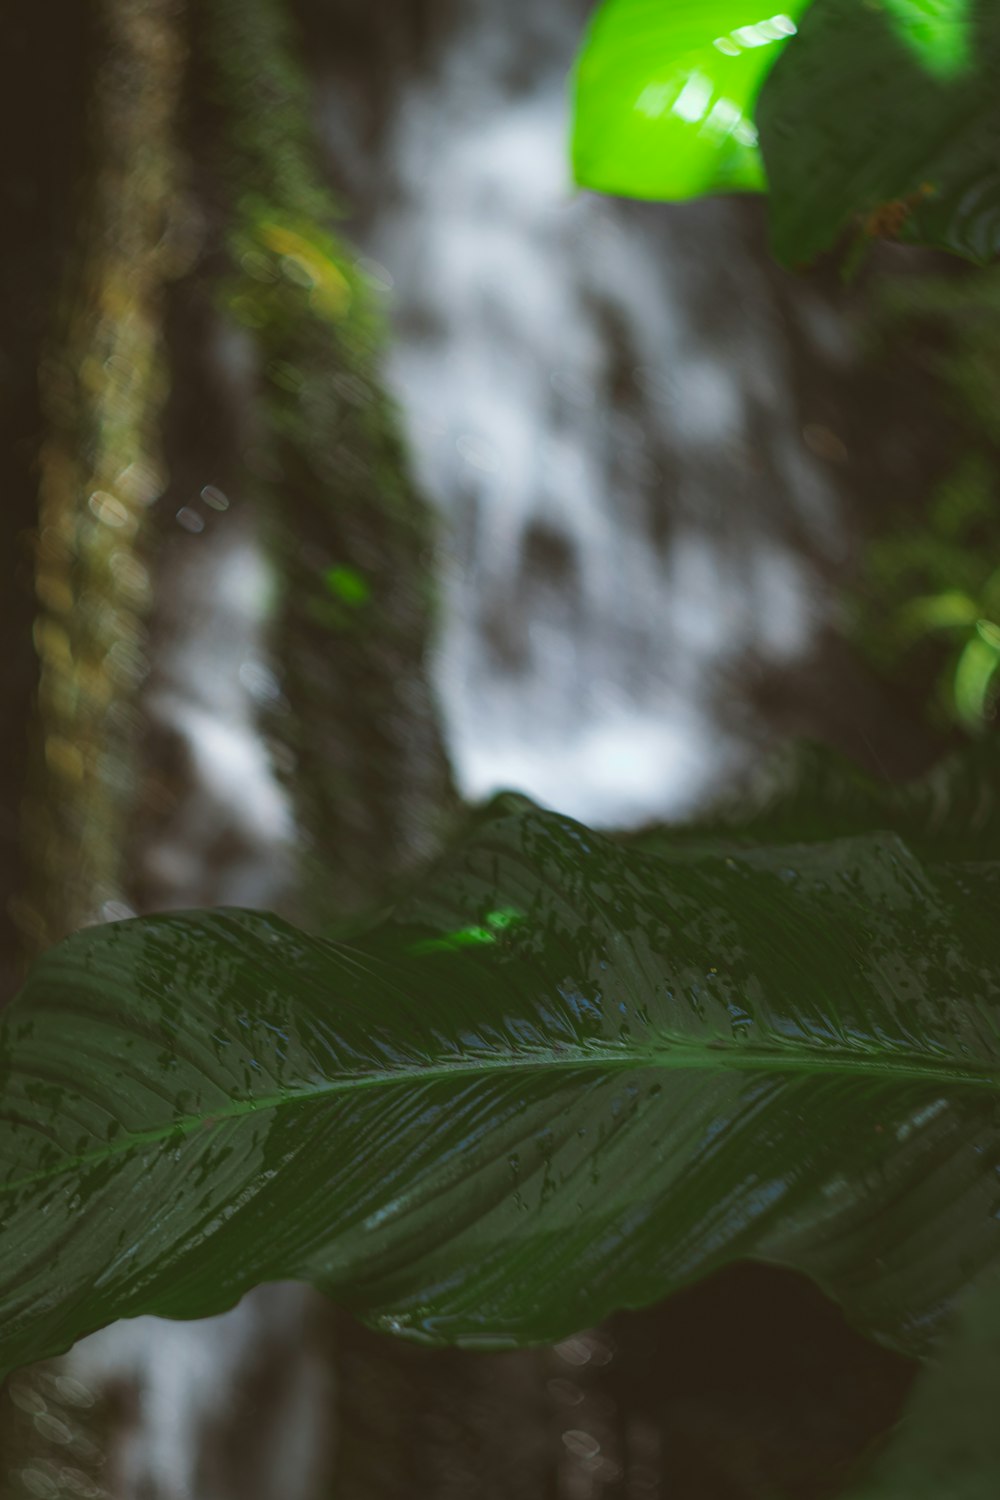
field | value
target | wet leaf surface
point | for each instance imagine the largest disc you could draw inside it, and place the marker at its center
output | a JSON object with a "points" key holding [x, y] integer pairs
{"points": [[565, 1077]]}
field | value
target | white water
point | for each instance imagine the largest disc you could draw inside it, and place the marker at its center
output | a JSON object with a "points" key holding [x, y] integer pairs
{"points": [[194, 1432], [600, 401]]}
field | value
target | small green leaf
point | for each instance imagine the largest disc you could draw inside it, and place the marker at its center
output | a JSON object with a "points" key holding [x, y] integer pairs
{"points": [[664, 95], [347, 585], [974, 676], [948, 610]]}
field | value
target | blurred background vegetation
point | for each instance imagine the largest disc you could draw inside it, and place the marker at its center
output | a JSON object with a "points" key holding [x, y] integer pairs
{"points": [[925, 602], [260, 638]]}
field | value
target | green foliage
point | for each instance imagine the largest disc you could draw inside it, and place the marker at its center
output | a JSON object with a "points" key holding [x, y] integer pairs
{"points": [[665, 94], [926, 607], [935, 595], [563, 1077], [890, 112], [884, 115], [809, 794]]}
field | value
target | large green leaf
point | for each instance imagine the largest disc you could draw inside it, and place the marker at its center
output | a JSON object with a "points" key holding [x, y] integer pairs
{"points": [[664, 95], [890, 111], [564, 1077]]}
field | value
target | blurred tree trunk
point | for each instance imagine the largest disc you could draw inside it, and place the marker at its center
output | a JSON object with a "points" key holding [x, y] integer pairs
{"points": [[103, 384], [44, 63], [86, 362]]}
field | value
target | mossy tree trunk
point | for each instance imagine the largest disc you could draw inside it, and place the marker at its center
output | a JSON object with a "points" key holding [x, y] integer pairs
{"points": [[350, 535], [103, 384], [90, 374]]}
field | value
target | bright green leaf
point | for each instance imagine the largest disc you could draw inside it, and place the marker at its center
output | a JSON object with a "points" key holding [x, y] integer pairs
{"points": [[652, 1067], [974, 676], [884, 114], [664, 95]]}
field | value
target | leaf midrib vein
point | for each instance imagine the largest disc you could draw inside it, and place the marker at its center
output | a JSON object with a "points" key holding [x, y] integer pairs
{"points": [[681, 1057]]}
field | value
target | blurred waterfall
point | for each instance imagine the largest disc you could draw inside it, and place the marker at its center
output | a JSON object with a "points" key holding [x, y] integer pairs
{"points": [[602, 398]]}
